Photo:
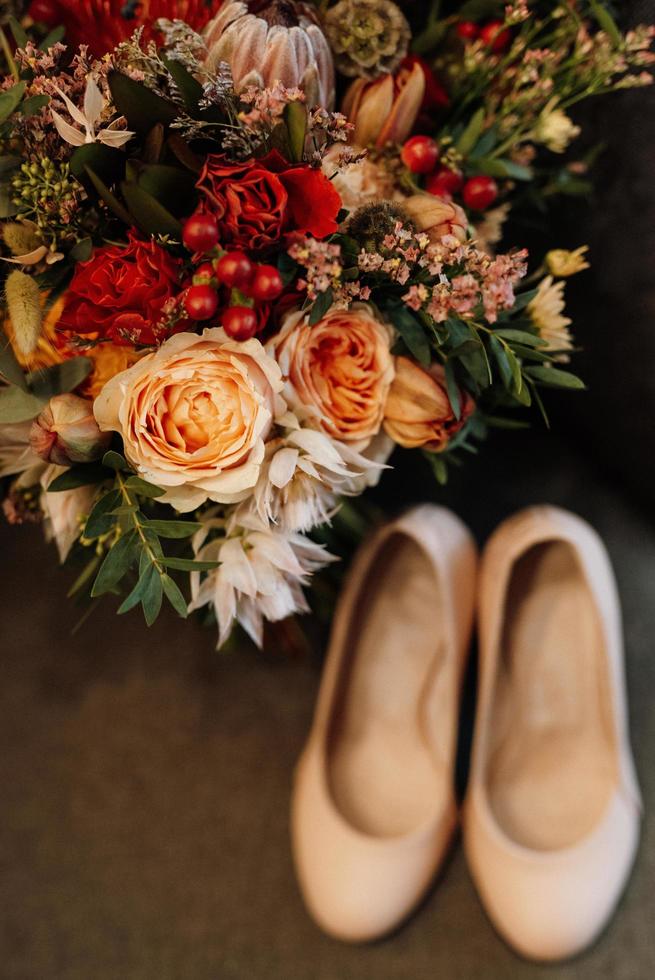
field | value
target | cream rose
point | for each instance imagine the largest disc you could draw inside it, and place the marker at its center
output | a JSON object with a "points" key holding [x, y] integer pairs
{"points": [[194, 416], [337, 371]]}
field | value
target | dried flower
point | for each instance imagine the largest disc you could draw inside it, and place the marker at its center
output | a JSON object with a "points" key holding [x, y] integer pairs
{"points": [[24, 305], [66, 432], [372, 224], [554, 129], [95, 106], [369, 37]]}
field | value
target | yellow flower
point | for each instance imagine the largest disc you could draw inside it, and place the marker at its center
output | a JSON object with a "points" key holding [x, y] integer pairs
{"points": [[563, 263], [546, 313], [554, 129], [108, 361]]}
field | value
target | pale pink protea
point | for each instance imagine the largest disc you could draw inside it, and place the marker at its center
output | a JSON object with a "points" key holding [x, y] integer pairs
{"points": [[269, 41]]}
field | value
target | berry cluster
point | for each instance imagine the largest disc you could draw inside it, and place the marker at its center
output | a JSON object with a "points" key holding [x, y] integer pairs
{"points": [[248, 283], [420, 154], [493, 35]]}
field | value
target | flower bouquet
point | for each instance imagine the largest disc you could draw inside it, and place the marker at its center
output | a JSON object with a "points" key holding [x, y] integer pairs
{"points": [[226, 303]]}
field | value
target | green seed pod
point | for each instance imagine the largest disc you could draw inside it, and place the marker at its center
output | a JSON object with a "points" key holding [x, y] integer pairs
{"points": [[24, 304]]}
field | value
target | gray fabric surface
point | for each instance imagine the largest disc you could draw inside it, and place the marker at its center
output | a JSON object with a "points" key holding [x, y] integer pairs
{"points": [[145, 781]]}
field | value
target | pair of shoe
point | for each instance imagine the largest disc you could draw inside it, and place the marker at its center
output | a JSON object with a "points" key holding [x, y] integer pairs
{"points": [[552, 812]]}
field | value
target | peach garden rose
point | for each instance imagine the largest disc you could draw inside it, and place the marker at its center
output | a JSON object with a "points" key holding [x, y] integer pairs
{"points": [[194, 416], [337, 371], [418, 412]]}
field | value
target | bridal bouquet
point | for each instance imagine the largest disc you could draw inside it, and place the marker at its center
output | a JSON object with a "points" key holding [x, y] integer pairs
{"points": [[227, 303]]}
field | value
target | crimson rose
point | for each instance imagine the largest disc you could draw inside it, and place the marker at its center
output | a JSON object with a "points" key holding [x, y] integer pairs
{"points": [[120, 292], [258, 201]]}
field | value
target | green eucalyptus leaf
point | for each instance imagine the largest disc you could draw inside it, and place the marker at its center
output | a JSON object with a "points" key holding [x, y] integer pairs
{"points": [[411, 331], [80, 475], [190, 89], [17, 405], [143, 488], [189, 564], [502, 168], [10, 369], [521, 337], [174, 596], [101, 520], [173, 188], [59, 378], [108, 197], [152, 598], [115, 461], [33, 105], [139, 590], [320, 307], [173, 529], [555, 378], [117, 563], [500, 356], [106, 162], [472, 133]]}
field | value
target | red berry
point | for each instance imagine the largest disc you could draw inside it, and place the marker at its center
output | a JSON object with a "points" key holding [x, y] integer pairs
{"points": [[467, 30], [205, 271], [479, 193], [494, 36], [267, 284], [200, 233], [235, 270], [201, 302], [240, 322], [445, 182], [420, 154], [46, 12]]}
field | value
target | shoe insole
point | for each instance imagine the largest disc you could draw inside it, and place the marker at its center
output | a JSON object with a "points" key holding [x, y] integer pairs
{"points": [[383, 770], [552, 765]]}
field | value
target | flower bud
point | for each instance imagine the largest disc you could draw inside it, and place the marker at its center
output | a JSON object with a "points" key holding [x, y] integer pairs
{"points": [[385, 110], [418, 412], [436, 217], [66, 432]]}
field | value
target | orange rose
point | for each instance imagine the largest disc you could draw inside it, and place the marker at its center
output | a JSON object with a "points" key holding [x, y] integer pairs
{"points": [[337, 371], [418, 410], [194, 416]]}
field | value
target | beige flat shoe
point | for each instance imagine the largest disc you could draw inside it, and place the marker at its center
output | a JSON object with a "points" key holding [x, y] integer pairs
{"points": [[552, 815], [373, 808]]}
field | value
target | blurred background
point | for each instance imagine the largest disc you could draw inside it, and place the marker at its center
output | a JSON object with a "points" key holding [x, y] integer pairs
{"points": [[146, 778]]}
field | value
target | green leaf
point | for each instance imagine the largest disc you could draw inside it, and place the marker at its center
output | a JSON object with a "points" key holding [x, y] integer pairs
{"points": [[189, 564], [523, 299], [521, 337], [55, 35], [142, 107], [439, 467], [502, 168], [502, 361], [152, 598], [174, 596], [81, 475], [114, 461], [605, 21], [320, 307], [171, 187], [108, 197], [82, 251], [10, 100], [100, 519], [295, 117], [151, 216], [190, 90], [412, 332], [498, 422], [58, 379], [10, 369], [139, 590], [143, 488], [555, 378], [19, 32], [33, 105], [116, 564], [453, 390], [7, 207], [17, 405], [173, 529], [106, 162], [472, 133], [85, 576]]}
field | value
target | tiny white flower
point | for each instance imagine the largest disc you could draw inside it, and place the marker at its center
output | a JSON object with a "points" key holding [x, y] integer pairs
{"points": [[94, 104]]}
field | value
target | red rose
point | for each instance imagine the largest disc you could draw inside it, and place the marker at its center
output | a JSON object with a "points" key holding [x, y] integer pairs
{"points": [[120, 292], [259, 201]]}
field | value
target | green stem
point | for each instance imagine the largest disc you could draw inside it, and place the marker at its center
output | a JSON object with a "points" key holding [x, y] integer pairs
{"points": [[6, 49], [138, 526]]}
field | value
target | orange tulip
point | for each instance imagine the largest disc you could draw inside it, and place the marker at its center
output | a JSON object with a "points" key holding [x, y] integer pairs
{"points": [[384, 111]]}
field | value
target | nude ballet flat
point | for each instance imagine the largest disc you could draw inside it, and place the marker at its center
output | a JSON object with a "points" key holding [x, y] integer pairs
{"points": [[373, 808], [552, 815]]}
